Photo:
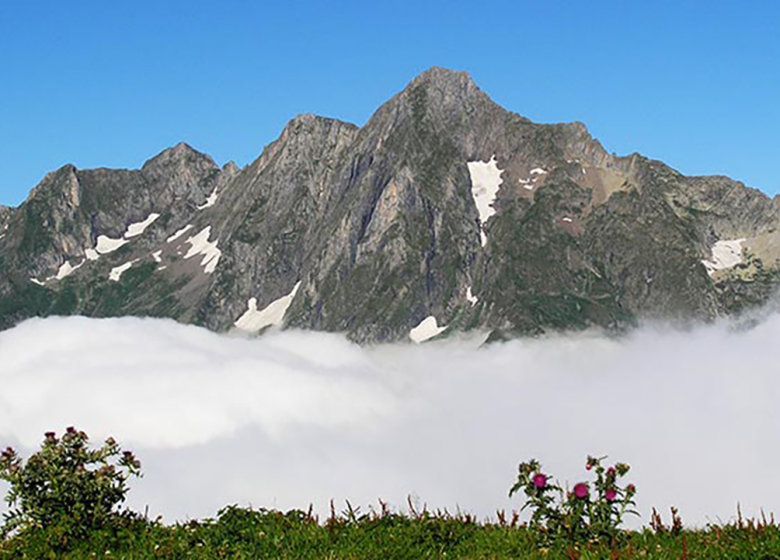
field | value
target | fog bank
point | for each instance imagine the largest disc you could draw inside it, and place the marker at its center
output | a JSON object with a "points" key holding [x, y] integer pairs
{"points": [[296, 418]]}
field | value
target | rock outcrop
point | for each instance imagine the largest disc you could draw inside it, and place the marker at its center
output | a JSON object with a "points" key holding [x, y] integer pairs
{"points": [[444, 213]]}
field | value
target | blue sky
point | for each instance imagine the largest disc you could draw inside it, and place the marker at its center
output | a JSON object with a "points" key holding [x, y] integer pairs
{"points": [[95, 83]]}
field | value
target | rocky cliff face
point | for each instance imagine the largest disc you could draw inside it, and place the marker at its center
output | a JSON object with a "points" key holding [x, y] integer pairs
{"points": [[5, 214], [445, 212]]}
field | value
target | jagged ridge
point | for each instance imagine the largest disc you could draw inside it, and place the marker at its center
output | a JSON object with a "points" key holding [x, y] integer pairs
{"points": [[445, 212]]}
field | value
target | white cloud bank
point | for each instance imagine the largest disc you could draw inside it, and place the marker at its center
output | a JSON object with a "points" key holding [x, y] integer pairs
{"points": [[296, 418]]}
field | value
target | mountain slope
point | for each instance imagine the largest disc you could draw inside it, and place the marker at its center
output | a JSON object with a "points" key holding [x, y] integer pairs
{"points": [[445, 212]]}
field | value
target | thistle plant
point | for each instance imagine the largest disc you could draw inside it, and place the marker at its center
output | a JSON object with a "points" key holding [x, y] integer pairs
{"points": [[588, 510], [66, 484]]}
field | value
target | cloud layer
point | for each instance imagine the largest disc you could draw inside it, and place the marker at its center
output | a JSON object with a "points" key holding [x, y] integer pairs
{"points": [[296, 418]]}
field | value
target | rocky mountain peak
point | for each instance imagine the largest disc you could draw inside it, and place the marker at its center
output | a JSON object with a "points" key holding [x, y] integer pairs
{"points": [[231, 169], [179, 169], [306, 136], [308, 124], [302, 120], [179, 156], [182, 149], [444, 213], [61, 182], [444, 91], [444, 78]]}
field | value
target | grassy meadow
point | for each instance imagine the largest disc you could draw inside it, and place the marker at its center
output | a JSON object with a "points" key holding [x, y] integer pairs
{"points": [[350, 535]]}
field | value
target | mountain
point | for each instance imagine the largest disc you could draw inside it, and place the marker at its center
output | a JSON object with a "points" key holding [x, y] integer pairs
{"points": [[5, 214], [444, 213]]}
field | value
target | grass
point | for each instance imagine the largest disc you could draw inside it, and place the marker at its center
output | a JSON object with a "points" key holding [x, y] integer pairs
{"points": [[238, 533]]}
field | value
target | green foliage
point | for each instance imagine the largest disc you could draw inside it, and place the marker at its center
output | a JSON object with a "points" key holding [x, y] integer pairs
{"points": [[583, 513], [66, 487], [239, 533], [67, 479], [25, 301], [139, 293], [748, 286]]}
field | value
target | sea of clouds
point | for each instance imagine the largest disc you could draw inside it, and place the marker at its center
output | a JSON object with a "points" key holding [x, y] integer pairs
{"points": [[295, 418]]}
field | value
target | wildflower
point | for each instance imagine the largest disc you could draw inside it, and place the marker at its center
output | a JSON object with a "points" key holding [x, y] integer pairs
{"points": [[573, 507], [7, 456], [529, 467], [540, 480], [581, 490]]}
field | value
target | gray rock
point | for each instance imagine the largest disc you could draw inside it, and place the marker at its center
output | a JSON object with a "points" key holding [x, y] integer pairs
{"points": [[379, 229]]}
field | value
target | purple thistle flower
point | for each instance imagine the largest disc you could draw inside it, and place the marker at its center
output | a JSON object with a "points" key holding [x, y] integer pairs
{"points": [[581, 490], [610, 494], [540, 480]]}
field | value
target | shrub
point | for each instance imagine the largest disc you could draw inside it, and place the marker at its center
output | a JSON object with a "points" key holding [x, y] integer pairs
{"points": [[586, 511], [66, 484]]}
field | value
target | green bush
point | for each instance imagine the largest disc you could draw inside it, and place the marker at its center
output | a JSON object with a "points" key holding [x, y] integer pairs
{"points": [[66, 486]]}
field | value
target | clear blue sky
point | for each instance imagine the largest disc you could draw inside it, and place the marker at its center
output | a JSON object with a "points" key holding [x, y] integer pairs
{"points": [[104, 83]]}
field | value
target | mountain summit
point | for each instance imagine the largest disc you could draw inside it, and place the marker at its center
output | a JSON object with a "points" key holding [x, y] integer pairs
{"points": [[444, 213]]}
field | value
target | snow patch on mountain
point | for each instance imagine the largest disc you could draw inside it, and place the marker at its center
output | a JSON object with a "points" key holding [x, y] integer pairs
{"points": [[179, 233], [272, 315], [536, 172], [134, 230], [472, 299], [485, 181], [725, 254], [211, 200], [116, 272], [106, 245], [200, 245], [426, 330], [66, 269]]}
